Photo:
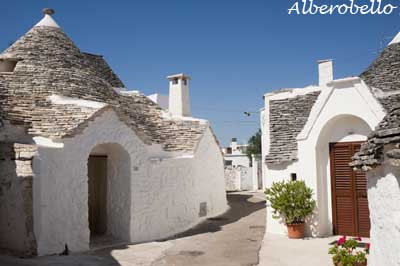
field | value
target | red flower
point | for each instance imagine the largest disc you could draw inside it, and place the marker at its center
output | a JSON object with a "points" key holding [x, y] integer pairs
{"points": [[358, 238], [341, 241], [368, 246]]}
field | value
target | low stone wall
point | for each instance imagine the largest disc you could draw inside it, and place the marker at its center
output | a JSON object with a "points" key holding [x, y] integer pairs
{"points": [[16, 213], [238, 178], [232, 179]]}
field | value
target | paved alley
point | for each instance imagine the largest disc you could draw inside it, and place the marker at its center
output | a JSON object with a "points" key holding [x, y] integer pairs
{"points": [[232, 239]]}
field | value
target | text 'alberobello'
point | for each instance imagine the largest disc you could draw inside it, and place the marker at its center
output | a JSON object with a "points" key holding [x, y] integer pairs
{"points": [[309, 7]]}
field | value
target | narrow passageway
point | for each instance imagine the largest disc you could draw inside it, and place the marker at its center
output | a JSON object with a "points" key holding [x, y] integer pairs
{"points": [[232, 239]]}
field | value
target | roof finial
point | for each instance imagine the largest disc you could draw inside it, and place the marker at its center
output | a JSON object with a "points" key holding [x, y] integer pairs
{"points": [[396, 39], [48, 20], [48, 11]]}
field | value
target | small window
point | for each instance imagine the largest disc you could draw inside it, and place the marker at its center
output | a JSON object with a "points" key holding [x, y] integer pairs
{"points": [[175, 81], [184, 82], [8, 65], [293, 176], [228, 163], [229, 150]]}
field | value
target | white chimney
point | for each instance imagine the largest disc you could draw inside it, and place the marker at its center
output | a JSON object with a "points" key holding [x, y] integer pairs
{"points": [[325, 71], [234, 145], [179, 100]]}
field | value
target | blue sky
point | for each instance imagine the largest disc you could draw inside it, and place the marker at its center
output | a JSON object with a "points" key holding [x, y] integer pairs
{"points": [[234, 50]]}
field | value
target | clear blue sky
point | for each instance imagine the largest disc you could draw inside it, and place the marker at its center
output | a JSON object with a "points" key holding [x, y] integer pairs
{"points": [[234, 50]]}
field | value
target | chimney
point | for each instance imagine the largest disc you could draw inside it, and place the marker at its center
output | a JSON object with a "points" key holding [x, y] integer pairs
{"points": [[179, 101], [325, 71], [234, 144]]}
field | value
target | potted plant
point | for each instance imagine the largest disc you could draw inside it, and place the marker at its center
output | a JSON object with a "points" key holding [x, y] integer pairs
{"points": [[292, 201], [349, 252]]}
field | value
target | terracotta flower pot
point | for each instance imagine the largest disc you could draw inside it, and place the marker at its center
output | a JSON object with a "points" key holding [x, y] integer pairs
{"points": [[357, 264], [295, 231]]}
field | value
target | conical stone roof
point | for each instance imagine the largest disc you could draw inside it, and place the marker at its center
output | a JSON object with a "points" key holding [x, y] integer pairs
{"points": [[51, 64], [384, 72]]}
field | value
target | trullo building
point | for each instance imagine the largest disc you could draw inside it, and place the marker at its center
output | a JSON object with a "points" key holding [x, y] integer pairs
{"points": [[312, 133], [81, 156]]}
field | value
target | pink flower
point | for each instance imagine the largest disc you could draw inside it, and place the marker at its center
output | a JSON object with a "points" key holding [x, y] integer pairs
{"points": [[341, 241], [358, 238]]}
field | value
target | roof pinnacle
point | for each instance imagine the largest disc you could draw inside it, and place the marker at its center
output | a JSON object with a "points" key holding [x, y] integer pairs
{"points": [[48, 11], [48, 20], [396, 39]]}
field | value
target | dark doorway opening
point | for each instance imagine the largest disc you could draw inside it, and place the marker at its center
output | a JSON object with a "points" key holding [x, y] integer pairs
{"points": [[97, 173]]}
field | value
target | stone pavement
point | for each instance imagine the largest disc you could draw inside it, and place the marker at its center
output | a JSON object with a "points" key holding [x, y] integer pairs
{"points": [[233, 239], [279, 250]]}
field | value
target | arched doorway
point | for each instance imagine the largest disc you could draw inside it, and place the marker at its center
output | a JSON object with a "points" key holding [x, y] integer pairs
{"points": [[341, 191], [109, 193]]}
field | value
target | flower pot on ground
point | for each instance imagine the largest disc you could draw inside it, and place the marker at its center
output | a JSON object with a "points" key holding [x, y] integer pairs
{"points": [[295, 231], [291, 201], [349, 252]]}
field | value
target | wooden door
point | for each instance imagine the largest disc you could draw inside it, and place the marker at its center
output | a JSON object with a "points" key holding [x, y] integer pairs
{"points": [[349, 192], [97, 199]]}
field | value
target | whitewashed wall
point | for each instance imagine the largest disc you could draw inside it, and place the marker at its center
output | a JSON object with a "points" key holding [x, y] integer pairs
{"points": [[383, 200], [233, 180], [165, 189], [242, 178], [238, 159]]}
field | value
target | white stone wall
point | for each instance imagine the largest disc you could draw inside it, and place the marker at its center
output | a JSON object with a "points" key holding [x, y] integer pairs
{"points": [[241, 178], [383, 200], [16, 232], [238, 160], [165, 190], [232, 179]]}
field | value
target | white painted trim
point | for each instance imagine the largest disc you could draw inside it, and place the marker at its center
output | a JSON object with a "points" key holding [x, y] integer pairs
{"points": [[48, 143], [47, 21], [265, 128], [62, 100], [362, 89], [396, 39], [168, 116], [290, 93]]}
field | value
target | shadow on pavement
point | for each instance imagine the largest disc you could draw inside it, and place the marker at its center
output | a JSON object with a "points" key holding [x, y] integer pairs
{"points": [[239, 207]]}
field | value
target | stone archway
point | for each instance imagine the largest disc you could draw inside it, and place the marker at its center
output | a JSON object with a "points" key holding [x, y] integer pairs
{"points": [[109, 192], [339, 129]]}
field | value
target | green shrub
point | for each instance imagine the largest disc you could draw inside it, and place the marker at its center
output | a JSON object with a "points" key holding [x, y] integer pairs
{"points": [[291, 201]]}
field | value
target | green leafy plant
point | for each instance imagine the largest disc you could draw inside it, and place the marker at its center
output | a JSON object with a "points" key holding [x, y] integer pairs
{"points": [[254, 144], [291, 201], [347, 252]]}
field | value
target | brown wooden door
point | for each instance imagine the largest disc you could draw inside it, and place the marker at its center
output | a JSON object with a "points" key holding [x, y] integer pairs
{"points": [[349, 192]]}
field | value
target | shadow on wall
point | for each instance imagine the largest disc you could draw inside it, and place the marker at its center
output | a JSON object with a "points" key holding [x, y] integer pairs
{"points": [[312, 225], [16, 212]]}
